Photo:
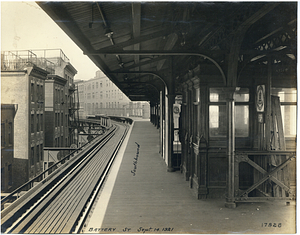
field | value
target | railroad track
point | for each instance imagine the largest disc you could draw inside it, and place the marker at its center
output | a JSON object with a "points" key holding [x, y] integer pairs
{"points": [[63, 202]]}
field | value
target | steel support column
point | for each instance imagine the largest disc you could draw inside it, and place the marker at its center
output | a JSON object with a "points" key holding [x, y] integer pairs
{"points": [[169, 116], [268, 106], [162, 123], [170, 132], [230, 203]]}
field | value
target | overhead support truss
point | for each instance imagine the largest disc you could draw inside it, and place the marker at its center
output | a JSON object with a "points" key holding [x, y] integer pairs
{"points": [[161, 53]]}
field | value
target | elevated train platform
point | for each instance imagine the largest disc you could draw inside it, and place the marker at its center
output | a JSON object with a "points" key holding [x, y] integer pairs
{"points": [[140, 196], [221, 80]]}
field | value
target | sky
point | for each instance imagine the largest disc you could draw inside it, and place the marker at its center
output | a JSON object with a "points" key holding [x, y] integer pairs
{"points": [[25, 26]]}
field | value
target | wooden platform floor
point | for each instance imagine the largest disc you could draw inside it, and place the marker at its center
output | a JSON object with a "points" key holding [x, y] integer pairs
{"points": [[156, 201]]}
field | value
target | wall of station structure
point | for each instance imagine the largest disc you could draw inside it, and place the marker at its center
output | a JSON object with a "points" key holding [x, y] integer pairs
{"points": [[202, 128], [203, 131], [101, 96]]}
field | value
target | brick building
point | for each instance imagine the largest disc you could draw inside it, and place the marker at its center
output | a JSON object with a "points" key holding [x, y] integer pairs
{"points": [[99, 95], [23, 83], [30, 82]]}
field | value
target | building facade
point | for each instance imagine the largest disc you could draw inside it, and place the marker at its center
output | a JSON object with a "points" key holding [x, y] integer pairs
{"points": [[99, 95], [55, 111], [45, 113], [25, 87], [60, 99]]}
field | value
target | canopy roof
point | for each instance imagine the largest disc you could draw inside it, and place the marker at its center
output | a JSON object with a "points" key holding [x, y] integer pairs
{"points": [[132, 42]]}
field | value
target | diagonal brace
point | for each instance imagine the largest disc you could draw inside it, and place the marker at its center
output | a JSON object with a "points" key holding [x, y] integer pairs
{"points": [[263, 171], [268, 176]]}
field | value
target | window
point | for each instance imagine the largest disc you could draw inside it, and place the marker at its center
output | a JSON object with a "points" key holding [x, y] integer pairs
{"points": [[37, 123], [10, 134], [2, 134], [288, 102], [241, 98], [58, 119], [32, 123], [32, 92], [62, 119], [2, 178], [9, 168], [42, 96], [42, 122], [218, 116], [37, 156], [37, 92], [217, 120], [42, 152], [32, 156], [96, 84]]}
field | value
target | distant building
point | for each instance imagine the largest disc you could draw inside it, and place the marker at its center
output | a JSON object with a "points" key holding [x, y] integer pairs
{"points": [[60, 109], [43, 90], [99, 95], [55, 111], [23, 83]]}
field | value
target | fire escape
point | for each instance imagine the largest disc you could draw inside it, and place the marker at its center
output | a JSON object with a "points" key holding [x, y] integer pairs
{"points": [[74, 114]]}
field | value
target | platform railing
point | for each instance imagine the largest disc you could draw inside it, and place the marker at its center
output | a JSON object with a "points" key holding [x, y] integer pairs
{"points": [[271, 181], [18, 60]]}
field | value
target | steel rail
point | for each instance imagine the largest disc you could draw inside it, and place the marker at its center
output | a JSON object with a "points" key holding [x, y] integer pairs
{"points": [[29, 184], [66, 196], [65, 206], [81, 222], [19, 210]]}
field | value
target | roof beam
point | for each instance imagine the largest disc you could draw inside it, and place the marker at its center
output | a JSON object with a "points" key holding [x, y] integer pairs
{"points": [[139, 39], [141, 64], [136, 28], [170, 53], [276, 31], [171, 41]]}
